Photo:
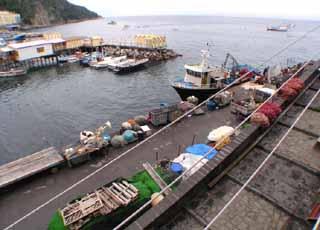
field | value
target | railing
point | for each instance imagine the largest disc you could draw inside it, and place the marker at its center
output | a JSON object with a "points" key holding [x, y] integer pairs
{"points": [[132, 44], [180, 83], [317, 225]]}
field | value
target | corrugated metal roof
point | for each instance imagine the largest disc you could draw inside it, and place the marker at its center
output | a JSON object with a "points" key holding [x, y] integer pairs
{"points": [[34, 43], [6, 49], [75, 38]]}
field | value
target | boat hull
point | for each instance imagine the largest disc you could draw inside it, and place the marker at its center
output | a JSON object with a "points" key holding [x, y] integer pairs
{"points": [[128, 69], [13, 73], [201, 94]]}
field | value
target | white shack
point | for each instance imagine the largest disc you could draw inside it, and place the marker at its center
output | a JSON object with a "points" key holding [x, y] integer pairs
{"points": [[33, 49]]}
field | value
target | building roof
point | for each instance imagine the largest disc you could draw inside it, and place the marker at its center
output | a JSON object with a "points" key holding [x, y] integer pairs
{"points": [[76, 38], [34, 43], [5, 49]]}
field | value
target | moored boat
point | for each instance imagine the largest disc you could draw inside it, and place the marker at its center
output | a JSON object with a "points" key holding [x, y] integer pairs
{"points": [[13, 72], [201, 80], [108, 62], [128, 65], [68, 59], [281, 28]]}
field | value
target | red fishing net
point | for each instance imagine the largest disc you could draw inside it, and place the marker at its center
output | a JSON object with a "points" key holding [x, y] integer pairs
{"points": [[291, 88], [271, 110], [260, 119]]}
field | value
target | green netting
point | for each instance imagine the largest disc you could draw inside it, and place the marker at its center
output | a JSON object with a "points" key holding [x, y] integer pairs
{"points": [[142, 181], [167, 176], [146, 186], [56, 222]]}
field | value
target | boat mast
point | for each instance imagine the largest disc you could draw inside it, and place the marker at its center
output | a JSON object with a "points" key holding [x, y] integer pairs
{"points": [[205, 64]]}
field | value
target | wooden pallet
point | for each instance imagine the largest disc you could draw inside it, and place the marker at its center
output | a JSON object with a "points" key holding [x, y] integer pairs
{"points": [[29, 165], [82, 208], [101, 202]]}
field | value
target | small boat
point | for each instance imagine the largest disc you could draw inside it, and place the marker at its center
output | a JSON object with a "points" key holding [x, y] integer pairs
{"points": [[125, 27], [112, 22], [107, 62], [68, 59], [85, 60], [13, 72], [129, 65], [201, 80], [283, 28]]}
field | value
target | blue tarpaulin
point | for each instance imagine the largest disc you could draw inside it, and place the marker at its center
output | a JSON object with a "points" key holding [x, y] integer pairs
{"points": [[201, 150]]}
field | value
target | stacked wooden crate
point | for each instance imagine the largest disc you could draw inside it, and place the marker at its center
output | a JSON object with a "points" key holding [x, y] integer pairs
{"points": [[101, 202]]}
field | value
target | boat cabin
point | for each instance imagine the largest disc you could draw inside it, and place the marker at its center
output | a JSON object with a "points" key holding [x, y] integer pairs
{"points": [[203, 76]]}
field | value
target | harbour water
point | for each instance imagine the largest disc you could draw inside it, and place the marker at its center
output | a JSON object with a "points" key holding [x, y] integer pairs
{"points": [[49, 107]]}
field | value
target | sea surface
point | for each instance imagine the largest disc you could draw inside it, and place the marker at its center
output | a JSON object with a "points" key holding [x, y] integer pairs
{"points": [[49, 107]]}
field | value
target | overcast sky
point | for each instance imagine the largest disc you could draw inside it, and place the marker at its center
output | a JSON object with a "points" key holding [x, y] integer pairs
{"points": [[308, 9]]}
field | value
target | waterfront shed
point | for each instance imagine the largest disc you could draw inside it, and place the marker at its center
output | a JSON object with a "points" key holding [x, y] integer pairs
{"points": [[32, 49], [93, 41], [74, 42], [6, 55], [58, 44], [51, 35], [9, 18], [151, 40]]}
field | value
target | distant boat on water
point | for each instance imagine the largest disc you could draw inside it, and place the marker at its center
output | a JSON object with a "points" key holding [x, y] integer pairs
{"points": [[112, 22], [281, 28]]}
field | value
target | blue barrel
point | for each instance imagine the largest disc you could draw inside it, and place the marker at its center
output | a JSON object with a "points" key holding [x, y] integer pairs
{"points": [[176, 168], [128, 136], [211, 105], [106, 137], [163, 105]]}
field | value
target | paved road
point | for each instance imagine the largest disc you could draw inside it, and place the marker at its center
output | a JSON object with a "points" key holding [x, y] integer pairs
{"points": [[30, 194]]}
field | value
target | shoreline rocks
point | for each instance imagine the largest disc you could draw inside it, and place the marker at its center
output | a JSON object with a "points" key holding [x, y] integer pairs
{"points": [[139, 53]]}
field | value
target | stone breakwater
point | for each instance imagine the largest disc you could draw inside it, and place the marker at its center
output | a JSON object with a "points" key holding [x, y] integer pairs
{"points": [[139, 53]]}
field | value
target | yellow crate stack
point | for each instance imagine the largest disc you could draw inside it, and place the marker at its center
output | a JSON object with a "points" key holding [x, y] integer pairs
{"points": [[151, 40]]}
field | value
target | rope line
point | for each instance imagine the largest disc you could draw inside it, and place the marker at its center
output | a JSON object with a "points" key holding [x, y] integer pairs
{"points": [[263, 163], [150, 137], [204, 156]]}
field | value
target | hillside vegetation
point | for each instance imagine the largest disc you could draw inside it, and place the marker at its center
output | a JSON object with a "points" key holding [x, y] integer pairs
{"points": [[47, 12]]}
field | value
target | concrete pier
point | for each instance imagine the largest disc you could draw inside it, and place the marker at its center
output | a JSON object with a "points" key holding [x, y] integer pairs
{"points": [[18, 200]]}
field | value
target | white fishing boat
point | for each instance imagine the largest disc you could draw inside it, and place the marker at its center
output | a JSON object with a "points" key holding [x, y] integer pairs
{"points": [[13, 72], [129, 65], [202, 80], [108, 62], [281, 28], [68, 59]]}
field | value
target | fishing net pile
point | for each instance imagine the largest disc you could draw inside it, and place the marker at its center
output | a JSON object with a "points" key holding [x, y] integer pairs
{"points": [[291, 88], [271, 110], [260, 119], [266, 114]]}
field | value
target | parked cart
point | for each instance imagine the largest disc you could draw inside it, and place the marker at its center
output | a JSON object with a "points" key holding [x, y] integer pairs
{"points": [[243, 107]]}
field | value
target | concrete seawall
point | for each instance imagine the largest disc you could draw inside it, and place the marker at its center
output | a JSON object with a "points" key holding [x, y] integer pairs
{"points": [[159, 215]]}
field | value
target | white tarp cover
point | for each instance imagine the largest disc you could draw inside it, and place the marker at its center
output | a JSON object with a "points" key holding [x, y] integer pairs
{"points": [[187, 160], [219, 133]]}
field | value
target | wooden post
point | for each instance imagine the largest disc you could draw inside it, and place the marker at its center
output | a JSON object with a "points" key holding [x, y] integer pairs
{"points": [[157, 156], [193, 139]]}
